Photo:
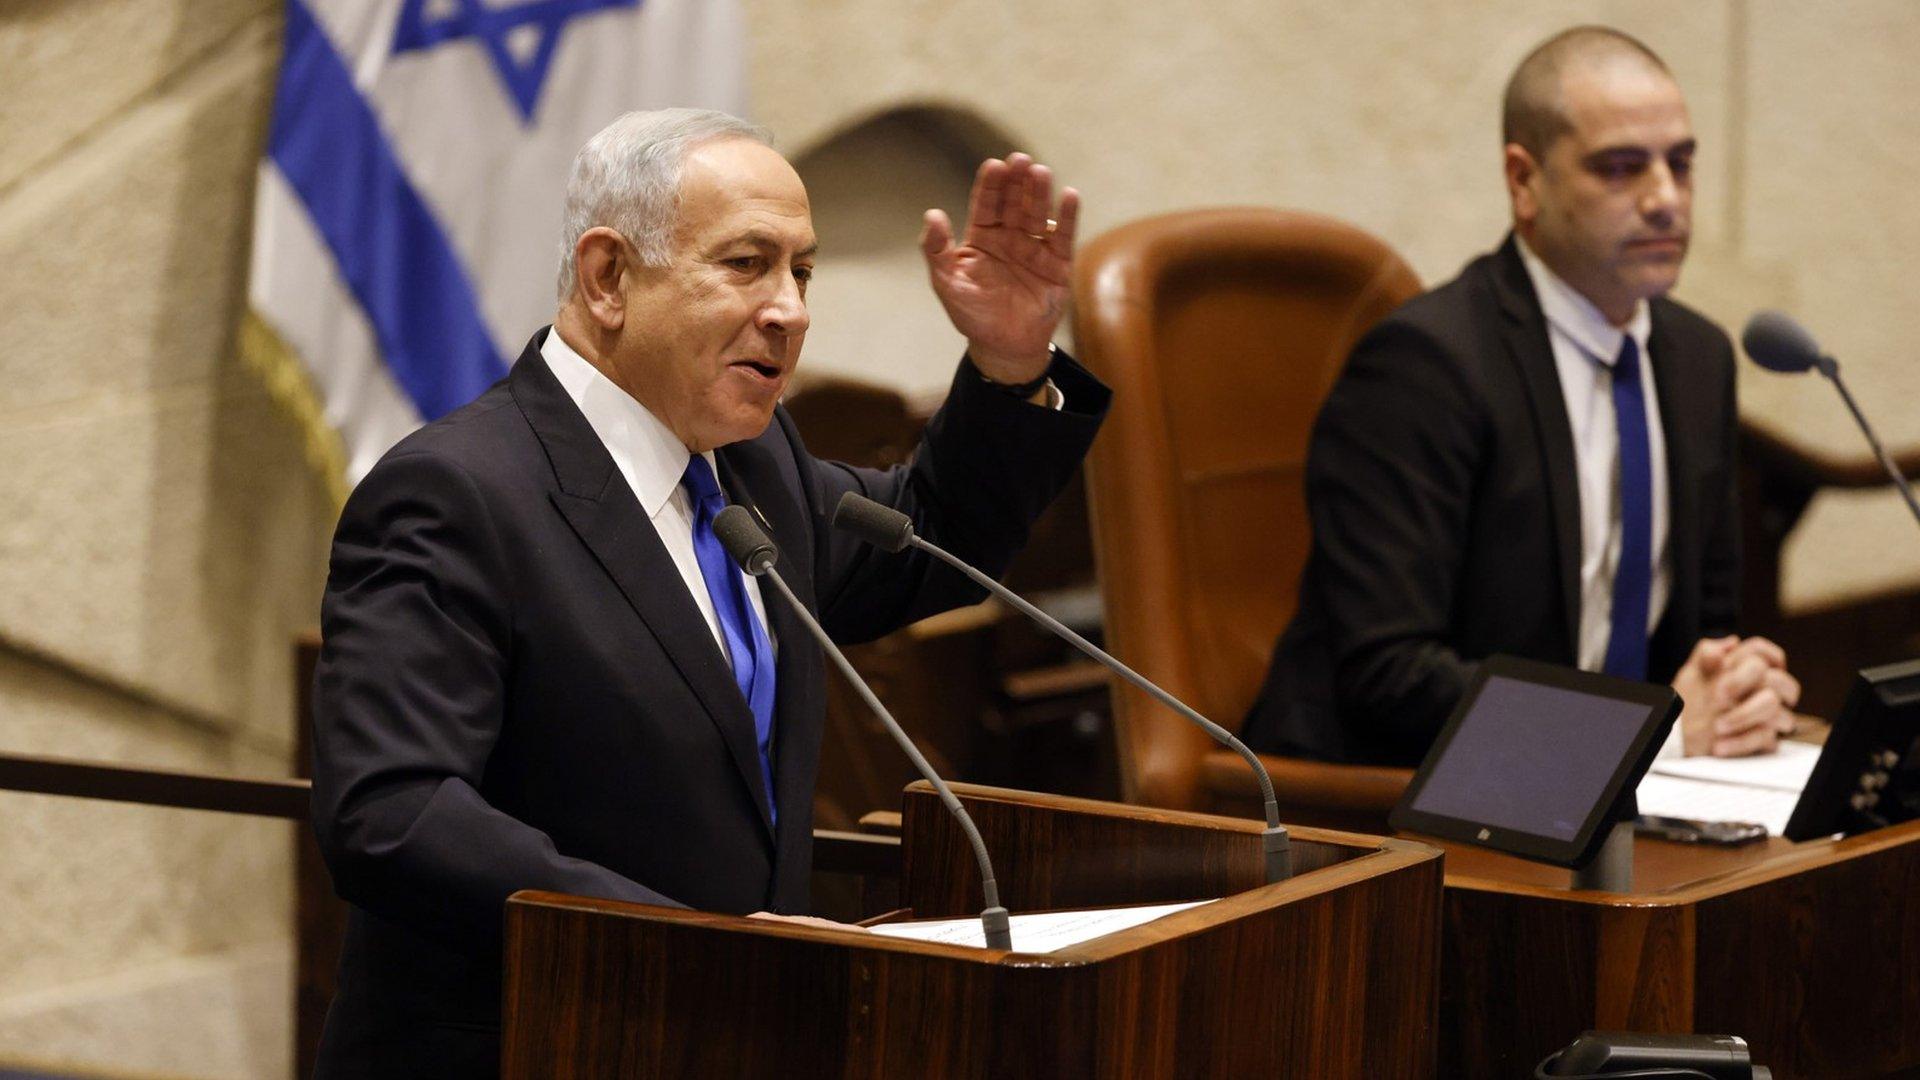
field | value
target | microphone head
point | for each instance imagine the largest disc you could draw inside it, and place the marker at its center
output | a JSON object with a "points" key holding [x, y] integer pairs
{"points": [[882, 526], [1777, 343], [746, 543]]}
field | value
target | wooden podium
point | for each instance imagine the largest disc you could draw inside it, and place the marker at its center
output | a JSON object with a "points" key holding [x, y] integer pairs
{"points": [[1810, 952], [1332, 973]]}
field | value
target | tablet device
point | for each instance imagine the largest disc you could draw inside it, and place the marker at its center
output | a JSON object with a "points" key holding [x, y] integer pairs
{"points": [[1536, 759]]}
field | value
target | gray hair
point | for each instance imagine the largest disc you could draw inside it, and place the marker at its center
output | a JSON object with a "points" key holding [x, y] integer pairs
{"points": [[627, 178]]}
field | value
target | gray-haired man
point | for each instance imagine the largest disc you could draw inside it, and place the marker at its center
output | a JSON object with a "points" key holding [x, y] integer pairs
{"points": [[540, 672]]}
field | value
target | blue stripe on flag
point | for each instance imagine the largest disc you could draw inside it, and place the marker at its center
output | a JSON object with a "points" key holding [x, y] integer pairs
{"points": [[391, 251]]}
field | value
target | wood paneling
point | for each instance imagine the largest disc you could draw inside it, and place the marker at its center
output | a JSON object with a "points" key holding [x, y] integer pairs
{"points": [[1332, 973], [1808, 951]]}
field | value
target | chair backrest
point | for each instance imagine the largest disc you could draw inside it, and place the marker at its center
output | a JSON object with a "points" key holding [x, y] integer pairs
{"points": [[1220, 332]]}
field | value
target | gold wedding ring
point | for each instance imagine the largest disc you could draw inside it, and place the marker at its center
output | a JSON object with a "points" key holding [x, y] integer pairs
{"points": [[1051, 226]]}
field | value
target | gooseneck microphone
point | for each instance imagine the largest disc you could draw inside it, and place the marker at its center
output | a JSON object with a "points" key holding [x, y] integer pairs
{"points": [[750, 547], [1777, 343], [890, 530]]}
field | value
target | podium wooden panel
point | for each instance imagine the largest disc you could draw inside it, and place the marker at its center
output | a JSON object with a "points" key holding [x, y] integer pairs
{"points": [[1332, 973], [1811, 952]]}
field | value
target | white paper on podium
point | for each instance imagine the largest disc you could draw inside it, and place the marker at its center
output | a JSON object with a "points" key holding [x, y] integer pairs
{"points": [[1761, 789], [1786, 769], [1705, 800], [1039, 932]]}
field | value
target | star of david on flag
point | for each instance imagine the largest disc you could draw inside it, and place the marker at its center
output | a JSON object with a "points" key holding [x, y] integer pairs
{"points": [[407, 218], [519, 39]]}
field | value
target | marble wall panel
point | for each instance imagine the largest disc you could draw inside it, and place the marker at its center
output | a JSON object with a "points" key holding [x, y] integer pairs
{"points": [[72, 66], [93, 887], [163, 529], [124, 261], [214, 1016]]}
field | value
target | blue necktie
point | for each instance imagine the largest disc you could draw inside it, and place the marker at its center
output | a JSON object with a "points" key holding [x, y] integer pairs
{"points": [[747, 643], [1633, 576]]}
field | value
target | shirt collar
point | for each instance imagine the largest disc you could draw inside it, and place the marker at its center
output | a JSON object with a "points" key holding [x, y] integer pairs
{"points": [[1575, 316], [649, 454]]}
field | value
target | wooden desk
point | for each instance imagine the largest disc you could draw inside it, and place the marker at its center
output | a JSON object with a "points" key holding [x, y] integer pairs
{"points": [[1332, 973], [1811, 952]]}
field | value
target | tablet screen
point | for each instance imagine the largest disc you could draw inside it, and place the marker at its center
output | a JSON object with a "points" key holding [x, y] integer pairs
{"points": [[1531, 758]]}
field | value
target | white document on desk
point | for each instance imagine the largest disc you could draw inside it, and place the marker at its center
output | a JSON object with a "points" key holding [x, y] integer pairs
{"points": [[1761, 789], [1704, 800], [1039, 932], [1786, 769]]}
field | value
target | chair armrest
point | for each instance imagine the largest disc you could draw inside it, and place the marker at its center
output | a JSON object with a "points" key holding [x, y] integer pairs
{"points": [[880, 823]]}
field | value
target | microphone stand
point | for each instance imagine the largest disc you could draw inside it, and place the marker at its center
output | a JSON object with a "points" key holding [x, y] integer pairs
{"points": [[1275, 845], [1831, 369], [754, 553]]}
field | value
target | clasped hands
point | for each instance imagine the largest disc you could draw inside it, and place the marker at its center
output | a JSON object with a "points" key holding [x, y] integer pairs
{"points": [[1737, 697], [1004, 283]]}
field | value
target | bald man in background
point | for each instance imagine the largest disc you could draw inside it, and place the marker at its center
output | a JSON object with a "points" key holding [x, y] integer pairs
{"points": [[1536, 458]]}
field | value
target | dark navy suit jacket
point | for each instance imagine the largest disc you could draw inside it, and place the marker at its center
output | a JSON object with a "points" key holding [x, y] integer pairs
{"points": [[516, 690], [1446, 516]]}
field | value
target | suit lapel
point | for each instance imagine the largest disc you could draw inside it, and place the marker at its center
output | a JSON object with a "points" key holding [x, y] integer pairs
{"points": [[603, 512], [752, 477], [1531, 352]]}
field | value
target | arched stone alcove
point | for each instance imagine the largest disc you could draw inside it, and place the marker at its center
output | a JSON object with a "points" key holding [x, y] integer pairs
{"points": [[874, 317]]}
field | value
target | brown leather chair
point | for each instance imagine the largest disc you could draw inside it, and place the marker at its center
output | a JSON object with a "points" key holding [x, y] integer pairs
{"points": [[1220, 332]]}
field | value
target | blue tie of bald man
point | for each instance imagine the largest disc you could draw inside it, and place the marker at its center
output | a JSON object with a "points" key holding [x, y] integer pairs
{"points": [[1633, 575]]}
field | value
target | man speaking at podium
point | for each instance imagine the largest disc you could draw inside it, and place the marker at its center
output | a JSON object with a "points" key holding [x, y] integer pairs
{"points": [[1536, 458], [541, 671]]}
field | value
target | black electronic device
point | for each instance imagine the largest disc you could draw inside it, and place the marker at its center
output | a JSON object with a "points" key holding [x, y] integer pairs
{"points": [[1538, 760], [1868, 773], [1599, 1055], [1690, 831]]}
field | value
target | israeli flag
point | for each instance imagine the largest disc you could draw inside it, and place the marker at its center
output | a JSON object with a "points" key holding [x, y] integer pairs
{"points": [[407, 222]]}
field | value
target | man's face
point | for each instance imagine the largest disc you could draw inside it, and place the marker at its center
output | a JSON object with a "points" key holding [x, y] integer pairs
{"points": [[1610, 207], [710, 339]]}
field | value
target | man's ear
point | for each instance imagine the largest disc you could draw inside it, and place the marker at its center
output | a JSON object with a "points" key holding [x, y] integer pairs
{"points": [[601, 260], [1521, 171]]}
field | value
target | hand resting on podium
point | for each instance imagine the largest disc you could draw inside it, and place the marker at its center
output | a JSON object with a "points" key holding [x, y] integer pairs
{"points": [[1738, 697], [809, 921]]}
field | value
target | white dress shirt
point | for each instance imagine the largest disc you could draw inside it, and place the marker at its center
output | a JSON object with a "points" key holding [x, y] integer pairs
{"points": [[652, 459], [1585, 348]]}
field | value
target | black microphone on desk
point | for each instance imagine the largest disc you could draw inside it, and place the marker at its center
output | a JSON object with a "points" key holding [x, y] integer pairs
{"points": [[1777, 343], [747, 545], [890, 530]]}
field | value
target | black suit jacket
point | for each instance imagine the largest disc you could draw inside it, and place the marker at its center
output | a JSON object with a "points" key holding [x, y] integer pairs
{"points": [[517, 691], [1446, 516]]}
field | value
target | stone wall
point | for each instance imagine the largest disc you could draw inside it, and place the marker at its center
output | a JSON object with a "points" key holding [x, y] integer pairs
{"points": [[161, 538], [1386, 114]]}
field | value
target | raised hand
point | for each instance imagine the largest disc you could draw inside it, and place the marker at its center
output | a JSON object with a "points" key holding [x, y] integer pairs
{"points": [[1004, 284]]}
